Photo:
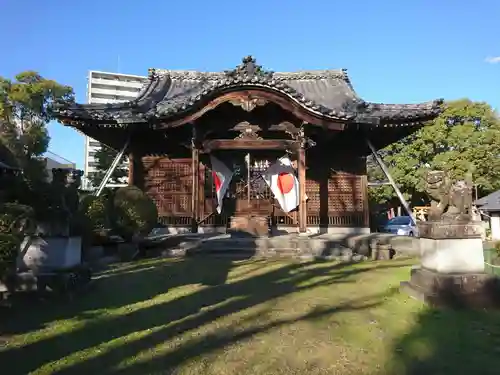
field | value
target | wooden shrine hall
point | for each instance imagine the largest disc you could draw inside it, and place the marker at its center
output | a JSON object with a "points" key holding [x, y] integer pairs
{"points": [[250, 117]]}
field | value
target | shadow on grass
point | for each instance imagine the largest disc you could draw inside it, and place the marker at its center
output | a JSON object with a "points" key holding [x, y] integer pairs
{"points": [[449, 342], [166, 320], [211, 342], [113, 289]]}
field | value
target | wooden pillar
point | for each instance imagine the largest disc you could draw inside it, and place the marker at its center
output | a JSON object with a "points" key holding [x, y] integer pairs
{"points": [[131, 169], [302, 189], [195, 190], [366, 201]]}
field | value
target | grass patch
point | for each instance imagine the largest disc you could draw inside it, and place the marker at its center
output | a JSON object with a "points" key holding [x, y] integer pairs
{"points": [[215, 316]]}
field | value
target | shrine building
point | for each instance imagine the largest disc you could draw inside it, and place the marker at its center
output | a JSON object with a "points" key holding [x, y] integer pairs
{"points": [[248, 118]]}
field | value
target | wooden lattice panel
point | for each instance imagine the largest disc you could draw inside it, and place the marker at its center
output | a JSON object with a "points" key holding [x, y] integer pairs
{"points": [[345, 194], [169, 183], [313, 202], [341, 184], [312, 186], [344, 203]]}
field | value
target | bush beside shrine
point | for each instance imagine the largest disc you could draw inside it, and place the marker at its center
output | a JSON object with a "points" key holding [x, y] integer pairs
{"points": [[95, 216], [9, 248], [96, 212], [135, 213], [496, 247], [127, 213], [15, 221]]}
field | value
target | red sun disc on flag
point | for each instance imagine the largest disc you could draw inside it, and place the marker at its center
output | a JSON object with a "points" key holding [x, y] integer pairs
{"points": [[217, 181], [286, 182]]}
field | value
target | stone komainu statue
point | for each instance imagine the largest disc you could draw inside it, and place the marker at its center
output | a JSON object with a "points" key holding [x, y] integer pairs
{"points": [[64, 198], [451, 201]]}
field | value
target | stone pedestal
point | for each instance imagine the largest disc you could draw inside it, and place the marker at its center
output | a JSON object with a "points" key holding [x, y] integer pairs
{"points": [[449, 230], [452, 267], [451, 247], [50, 253], [454, 255]]}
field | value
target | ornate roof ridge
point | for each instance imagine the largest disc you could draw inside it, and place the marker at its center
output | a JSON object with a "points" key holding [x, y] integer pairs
{"points": [[249, 67], [428, 104], [313, 74], [190, 74]]}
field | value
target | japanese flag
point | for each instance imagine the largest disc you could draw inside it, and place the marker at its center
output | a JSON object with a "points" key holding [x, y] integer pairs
{"points": [[222, 176], [283, 183]]}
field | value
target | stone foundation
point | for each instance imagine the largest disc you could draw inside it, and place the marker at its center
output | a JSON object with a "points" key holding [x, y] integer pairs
{"points": [[467, 290], [290, 246], [311, 229]]}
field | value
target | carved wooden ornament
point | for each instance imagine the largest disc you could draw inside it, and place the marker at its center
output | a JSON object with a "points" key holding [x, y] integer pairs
{"points": [[248, 104], [247, 130]]}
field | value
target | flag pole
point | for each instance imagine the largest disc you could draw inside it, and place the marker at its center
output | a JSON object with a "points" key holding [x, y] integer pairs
{"points": [[247, 159]]}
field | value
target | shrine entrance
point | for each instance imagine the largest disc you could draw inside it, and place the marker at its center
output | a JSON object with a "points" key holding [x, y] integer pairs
{"points": [[249, 203]]}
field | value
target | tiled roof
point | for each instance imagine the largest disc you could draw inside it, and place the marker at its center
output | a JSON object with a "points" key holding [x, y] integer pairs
{"points": [[325, 93], [490, 202]]}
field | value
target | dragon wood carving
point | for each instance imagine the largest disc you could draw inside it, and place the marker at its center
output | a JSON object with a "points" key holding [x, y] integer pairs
{"points": [[451, 201]]}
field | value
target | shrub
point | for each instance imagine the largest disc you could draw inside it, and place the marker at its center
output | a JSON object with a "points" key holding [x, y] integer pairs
{"points": [[15, 218], [9, 248], [95, 212], [496, 246], [135, 212]]}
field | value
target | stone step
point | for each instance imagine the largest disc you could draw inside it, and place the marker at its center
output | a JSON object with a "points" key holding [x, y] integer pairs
{"points": [[261, 250], [290, 242], [316, 243], [269, 247], [280, 254], [229, 247]]}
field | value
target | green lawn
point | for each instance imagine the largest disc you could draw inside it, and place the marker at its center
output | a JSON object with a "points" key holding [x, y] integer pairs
{"points": [[214, 316]]}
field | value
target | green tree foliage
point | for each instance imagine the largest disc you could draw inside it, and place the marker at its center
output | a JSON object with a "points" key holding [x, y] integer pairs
{"points": [[24, 113], [382, 194], [104, 158], [135, 212], [472, 142]]}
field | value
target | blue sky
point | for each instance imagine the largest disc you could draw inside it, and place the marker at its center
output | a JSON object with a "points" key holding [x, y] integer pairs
{"points": [[395, 51]]}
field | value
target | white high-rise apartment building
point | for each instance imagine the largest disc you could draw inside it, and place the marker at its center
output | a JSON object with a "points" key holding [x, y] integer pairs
{"points": [[105, 87]]}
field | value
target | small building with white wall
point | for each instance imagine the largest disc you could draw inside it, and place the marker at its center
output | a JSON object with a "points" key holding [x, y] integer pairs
{"points": [[490, 206], [55, 161]]}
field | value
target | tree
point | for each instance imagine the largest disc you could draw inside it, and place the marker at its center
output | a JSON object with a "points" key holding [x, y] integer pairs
{"points": [[104, 158], [24, 113], [466, 136]]}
